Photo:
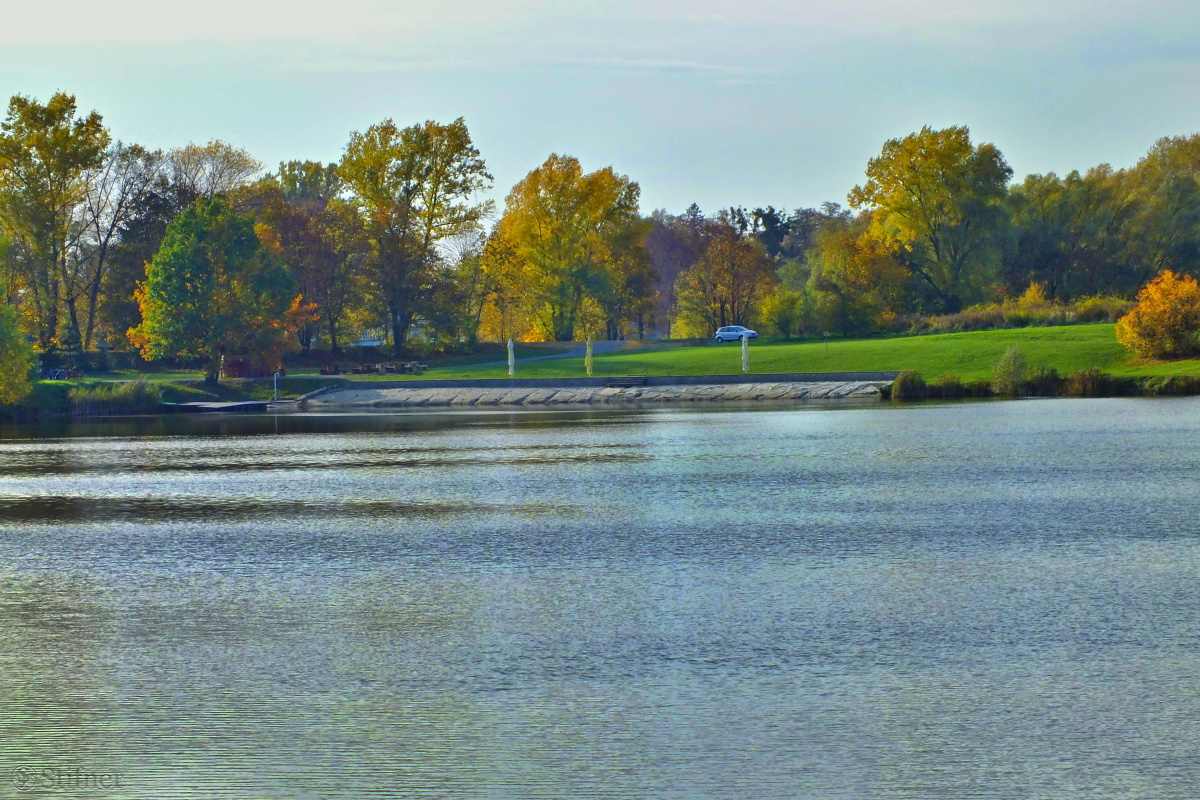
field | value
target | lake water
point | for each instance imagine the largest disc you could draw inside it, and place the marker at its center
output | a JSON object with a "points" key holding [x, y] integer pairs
{"points": [[992, 600]]}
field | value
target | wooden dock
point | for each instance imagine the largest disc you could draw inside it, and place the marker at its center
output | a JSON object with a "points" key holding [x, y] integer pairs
{"points": [[239, 407]]}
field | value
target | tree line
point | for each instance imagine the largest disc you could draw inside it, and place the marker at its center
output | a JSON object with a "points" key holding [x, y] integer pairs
{"points": [[200, 252]]}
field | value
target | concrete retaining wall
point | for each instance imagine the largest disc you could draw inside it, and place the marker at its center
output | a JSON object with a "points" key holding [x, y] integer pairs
{"points": [[557, 393]]}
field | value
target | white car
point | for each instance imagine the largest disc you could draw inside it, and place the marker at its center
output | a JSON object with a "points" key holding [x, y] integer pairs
{"points": [[733, 333]]}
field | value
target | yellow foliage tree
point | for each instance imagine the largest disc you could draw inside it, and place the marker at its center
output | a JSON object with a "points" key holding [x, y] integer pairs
{"points": [[1165, 323], [568, 235]]}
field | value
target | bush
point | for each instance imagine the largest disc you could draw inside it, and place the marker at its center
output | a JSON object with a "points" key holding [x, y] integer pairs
{"points": [[1043, 382], [1165, 323], [1101, 308], [1033, 297], [1171, 385], [16, 359], [1094, 383], [135, 397], [909, 386], [1009, 373]]}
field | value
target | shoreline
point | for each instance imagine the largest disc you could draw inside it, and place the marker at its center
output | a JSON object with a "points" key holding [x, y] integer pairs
{"points": [[602, 391]]}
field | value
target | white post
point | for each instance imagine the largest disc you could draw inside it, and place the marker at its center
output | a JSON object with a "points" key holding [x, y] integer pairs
{"points": [[745, 354], [276, 395], [587, 357], [512, 359]]}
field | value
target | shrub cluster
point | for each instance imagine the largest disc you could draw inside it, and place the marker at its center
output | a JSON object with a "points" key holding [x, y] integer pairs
{"points": [[1013, 378], [1171, 385], [1022, 313]]}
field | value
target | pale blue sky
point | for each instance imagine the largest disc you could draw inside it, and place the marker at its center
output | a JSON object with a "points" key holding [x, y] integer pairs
{"points": [[767, 102]]}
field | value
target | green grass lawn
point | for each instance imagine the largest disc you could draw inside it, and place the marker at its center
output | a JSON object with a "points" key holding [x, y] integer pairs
{"points": [[970, 356]]}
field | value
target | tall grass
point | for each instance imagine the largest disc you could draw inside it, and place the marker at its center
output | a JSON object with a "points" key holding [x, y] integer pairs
{"points": [[102, 399], [1020, 313]]}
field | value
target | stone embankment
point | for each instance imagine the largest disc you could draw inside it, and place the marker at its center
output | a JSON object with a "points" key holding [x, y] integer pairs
{"points": [[601, 391]]}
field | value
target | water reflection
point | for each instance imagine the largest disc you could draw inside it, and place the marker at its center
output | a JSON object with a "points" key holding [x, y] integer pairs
{"points": [[966, 601]]}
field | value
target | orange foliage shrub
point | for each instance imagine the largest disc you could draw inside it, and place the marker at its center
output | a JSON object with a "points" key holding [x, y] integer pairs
{"points": [[1165, 323]]}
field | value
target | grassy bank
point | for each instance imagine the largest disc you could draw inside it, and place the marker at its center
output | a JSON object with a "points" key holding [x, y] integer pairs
{"points": [[971, 356], [968, 355]]}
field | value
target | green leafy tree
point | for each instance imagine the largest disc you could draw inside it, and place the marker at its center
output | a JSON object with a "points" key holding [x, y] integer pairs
{"points": [[211, 289], [16, 358], [939, 206], [1163, 228], [1066, 233]]}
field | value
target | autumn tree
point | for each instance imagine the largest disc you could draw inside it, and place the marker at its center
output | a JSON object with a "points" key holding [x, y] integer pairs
{"points": [[209, 170], [468, 286], [508, 306], [213, 288], [114, 192], [1165, 323], [673, 244], [573, 232], [784, 311], [318, 234], [415, 187], [938, 204], [853, 280], [725, 284], [46, 152], [625, 291]]}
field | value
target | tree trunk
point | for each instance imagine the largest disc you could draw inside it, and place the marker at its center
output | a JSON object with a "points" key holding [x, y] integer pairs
{"points": [[74, 337], [212, 376], [50, 316], [93, 301], [401, 322]]}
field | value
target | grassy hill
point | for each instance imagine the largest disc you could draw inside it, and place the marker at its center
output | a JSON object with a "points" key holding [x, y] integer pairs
{"points": [[970, 356]]}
